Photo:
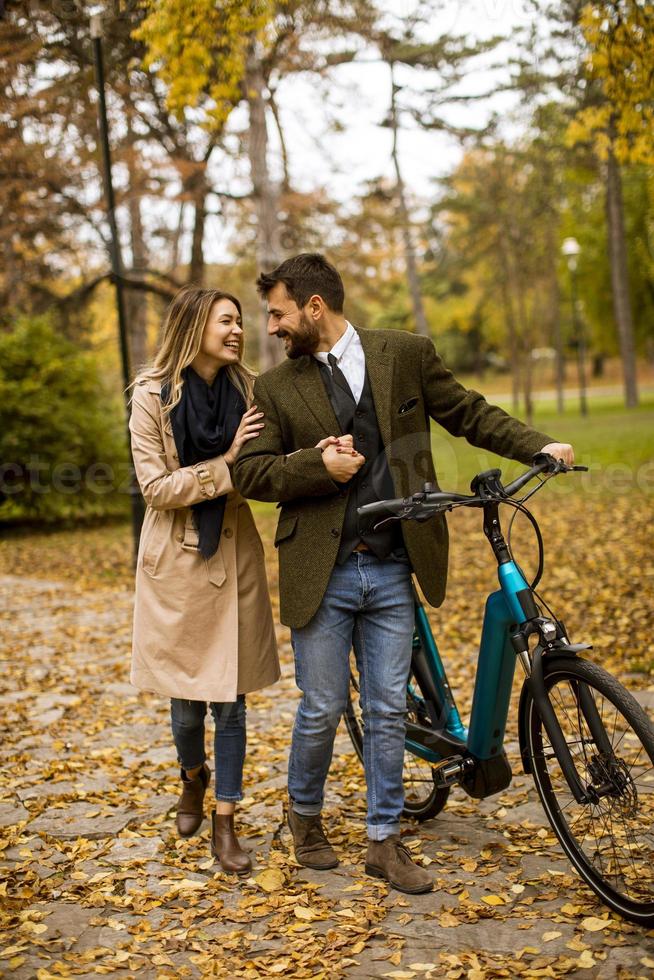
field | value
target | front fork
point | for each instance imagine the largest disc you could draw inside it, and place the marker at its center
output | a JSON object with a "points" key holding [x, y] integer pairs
{"points": [[535, 684]]}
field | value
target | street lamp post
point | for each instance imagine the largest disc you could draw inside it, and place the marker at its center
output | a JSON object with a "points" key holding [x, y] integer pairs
{"points": [[116, 264], [570, 250]]}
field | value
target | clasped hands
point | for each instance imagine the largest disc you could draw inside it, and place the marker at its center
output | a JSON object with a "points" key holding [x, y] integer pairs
{"points": [[341, 459]]}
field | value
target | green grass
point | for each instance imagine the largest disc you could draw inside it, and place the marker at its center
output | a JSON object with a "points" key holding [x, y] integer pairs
{"points": [[617, 445]]}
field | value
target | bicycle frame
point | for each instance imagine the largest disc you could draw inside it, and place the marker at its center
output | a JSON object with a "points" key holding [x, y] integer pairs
{"points": [[475, 757], [484, 737], [479, 762]]}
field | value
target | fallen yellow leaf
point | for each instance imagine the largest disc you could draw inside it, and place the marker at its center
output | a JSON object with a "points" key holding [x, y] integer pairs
{"points": [[448, 921], [493, 900], [593, 924], [185, 884], [271, 880]]}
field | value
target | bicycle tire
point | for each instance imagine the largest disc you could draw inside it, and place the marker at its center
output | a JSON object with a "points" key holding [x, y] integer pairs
{"points": [[609, 842], [417, 805]]}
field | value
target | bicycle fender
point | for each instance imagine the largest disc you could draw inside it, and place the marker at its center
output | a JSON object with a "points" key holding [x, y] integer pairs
{"points": [[568, 649]]}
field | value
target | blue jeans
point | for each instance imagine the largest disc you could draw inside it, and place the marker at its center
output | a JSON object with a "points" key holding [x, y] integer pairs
{"points": [[187, 722], [368, 605]]}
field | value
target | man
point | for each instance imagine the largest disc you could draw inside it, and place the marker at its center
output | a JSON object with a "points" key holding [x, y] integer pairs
{"points": [[347, 422]]}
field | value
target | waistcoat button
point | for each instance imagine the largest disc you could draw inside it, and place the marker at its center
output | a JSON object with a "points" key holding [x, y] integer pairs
{"points": [[334, 532], [228, 532]]}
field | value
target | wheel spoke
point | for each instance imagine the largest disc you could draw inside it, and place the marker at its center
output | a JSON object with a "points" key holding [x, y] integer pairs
{"points": [[612, 838]]}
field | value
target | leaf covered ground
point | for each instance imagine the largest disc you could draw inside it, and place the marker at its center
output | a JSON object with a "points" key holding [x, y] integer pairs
{"points": [[95, 882]]}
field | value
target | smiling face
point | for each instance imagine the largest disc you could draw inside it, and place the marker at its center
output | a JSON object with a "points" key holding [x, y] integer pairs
{"points": [[299, 333], [222, 338]]}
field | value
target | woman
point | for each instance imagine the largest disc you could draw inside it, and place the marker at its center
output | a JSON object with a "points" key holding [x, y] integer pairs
{"points": [[203, 628]]}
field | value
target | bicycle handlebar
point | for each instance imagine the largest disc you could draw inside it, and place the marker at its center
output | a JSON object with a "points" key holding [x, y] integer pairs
{"points": [[427, 503]]}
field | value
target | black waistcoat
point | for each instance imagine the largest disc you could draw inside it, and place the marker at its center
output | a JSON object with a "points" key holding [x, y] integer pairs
{"points": [[373, 481]]}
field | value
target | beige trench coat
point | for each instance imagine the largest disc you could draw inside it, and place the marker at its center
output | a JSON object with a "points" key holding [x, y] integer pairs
{"points": [[203, 629]]}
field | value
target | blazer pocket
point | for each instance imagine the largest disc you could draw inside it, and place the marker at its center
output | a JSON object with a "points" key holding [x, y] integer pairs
{"points": [[285, 528], [408, 407]]}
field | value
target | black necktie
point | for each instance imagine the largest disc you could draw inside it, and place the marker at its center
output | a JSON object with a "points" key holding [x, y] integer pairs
{"points": [[339, 377]]}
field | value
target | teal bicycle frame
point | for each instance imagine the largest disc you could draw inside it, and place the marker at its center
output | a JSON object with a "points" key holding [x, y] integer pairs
{"points": [[484, 737], [474, 756]]}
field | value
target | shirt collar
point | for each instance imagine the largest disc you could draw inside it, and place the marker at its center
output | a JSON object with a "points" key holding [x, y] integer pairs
{"points": [[340, 346]]}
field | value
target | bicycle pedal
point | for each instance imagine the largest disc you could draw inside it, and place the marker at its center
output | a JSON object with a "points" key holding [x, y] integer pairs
{"points": [[449, 771]]}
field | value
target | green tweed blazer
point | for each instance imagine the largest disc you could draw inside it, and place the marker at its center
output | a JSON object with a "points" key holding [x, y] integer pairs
{"points": [[409, 384]]}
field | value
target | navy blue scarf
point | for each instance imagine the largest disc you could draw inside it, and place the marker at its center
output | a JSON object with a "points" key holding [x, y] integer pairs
{"points": [[204, 424]]}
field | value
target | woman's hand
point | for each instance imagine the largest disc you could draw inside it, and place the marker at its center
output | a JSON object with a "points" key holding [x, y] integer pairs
{"points": [[346, 442], [249, 428]]}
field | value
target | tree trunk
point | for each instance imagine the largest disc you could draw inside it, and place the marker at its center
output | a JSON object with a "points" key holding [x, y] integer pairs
{"points": [[422, 326], [136, 301], [198, 190], [554, 314], [177, 236], [507, 302], [265, 196], [620, 279], [527, 363]]}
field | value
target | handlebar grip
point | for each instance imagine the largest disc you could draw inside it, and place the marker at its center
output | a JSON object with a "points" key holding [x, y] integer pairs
{"points": [[382, 507], [542, 462]]}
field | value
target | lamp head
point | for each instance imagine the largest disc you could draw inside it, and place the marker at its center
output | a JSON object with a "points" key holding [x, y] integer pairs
{"points": [[571, 249]]}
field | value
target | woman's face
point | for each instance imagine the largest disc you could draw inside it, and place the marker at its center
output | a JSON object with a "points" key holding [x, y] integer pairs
{"points": [[223, 334]]}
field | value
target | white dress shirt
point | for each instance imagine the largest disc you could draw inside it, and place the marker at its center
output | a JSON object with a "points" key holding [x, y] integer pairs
{"points": [[351, 360]]}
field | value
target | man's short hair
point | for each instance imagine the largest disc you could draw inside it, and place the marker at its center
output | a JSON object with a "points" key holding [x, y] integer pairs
{"points": [[306, 275]]}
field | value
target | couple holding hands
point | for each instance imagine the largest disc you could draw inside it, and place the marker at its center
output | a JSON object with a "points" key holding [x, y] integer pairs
{"points": [[342, 422]]}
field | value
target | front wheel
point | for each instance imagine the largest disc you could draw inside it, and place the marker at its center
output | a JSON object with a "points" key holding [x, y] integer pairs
{"points": [[610, 841], [422, 799]]}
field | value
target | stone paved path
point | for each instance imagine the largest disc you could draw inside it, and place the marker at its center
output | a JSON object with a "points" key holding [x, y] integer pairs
{"points": [[94, 881]]}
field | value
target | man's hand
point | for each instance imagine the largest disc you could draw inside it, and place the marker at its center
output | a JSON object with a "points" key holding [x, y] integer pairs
{"points": [[342, 463], [560, 450]]}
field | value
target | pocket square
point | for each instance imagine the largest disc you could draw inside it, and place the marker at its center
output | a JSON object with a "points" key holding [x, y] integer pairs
{"points": [[407, 406]]}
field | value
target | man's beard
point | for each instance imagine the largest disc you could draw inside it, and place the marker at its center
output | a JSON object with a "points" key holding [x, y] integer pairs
{"points": [[303, 340]]}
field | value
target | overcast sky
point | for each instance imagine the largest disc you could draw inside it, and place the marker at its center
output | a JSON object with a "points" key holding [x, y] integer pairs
{"points": [[358, 95]]}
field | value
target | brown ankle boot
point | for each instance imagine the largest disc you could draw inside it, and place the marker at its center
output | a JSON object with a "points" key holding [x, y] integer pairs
{"points": [[312, 849], [225, 845], [391, 860], [190, 811]]}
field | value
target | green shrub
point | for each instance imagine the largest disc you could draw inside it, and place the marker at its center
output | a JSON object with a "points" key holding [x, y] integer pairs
{"points": [[62, 436]]}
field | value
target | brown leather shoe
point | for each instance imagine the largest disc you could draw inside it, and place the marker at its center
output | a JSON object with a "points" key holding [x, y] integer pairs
{"points": [[225, 845], [391, 860], [190, 812], [312, 849]]}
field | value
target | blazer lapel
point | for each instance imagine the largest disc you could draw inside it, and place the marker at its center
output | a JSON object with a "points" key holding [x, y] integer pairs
{"points": [[379, 365], [312, 389]]}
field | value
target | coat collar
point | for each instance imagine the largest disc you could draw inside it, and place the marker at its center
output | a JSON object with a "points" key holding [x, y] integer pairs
{"points": [[379, 366], [153, 387]]}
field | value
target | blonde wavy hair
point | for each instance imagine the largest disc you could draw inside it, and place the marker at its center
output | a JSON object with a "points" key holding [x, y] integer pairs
{"points": [[181, 338]]}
